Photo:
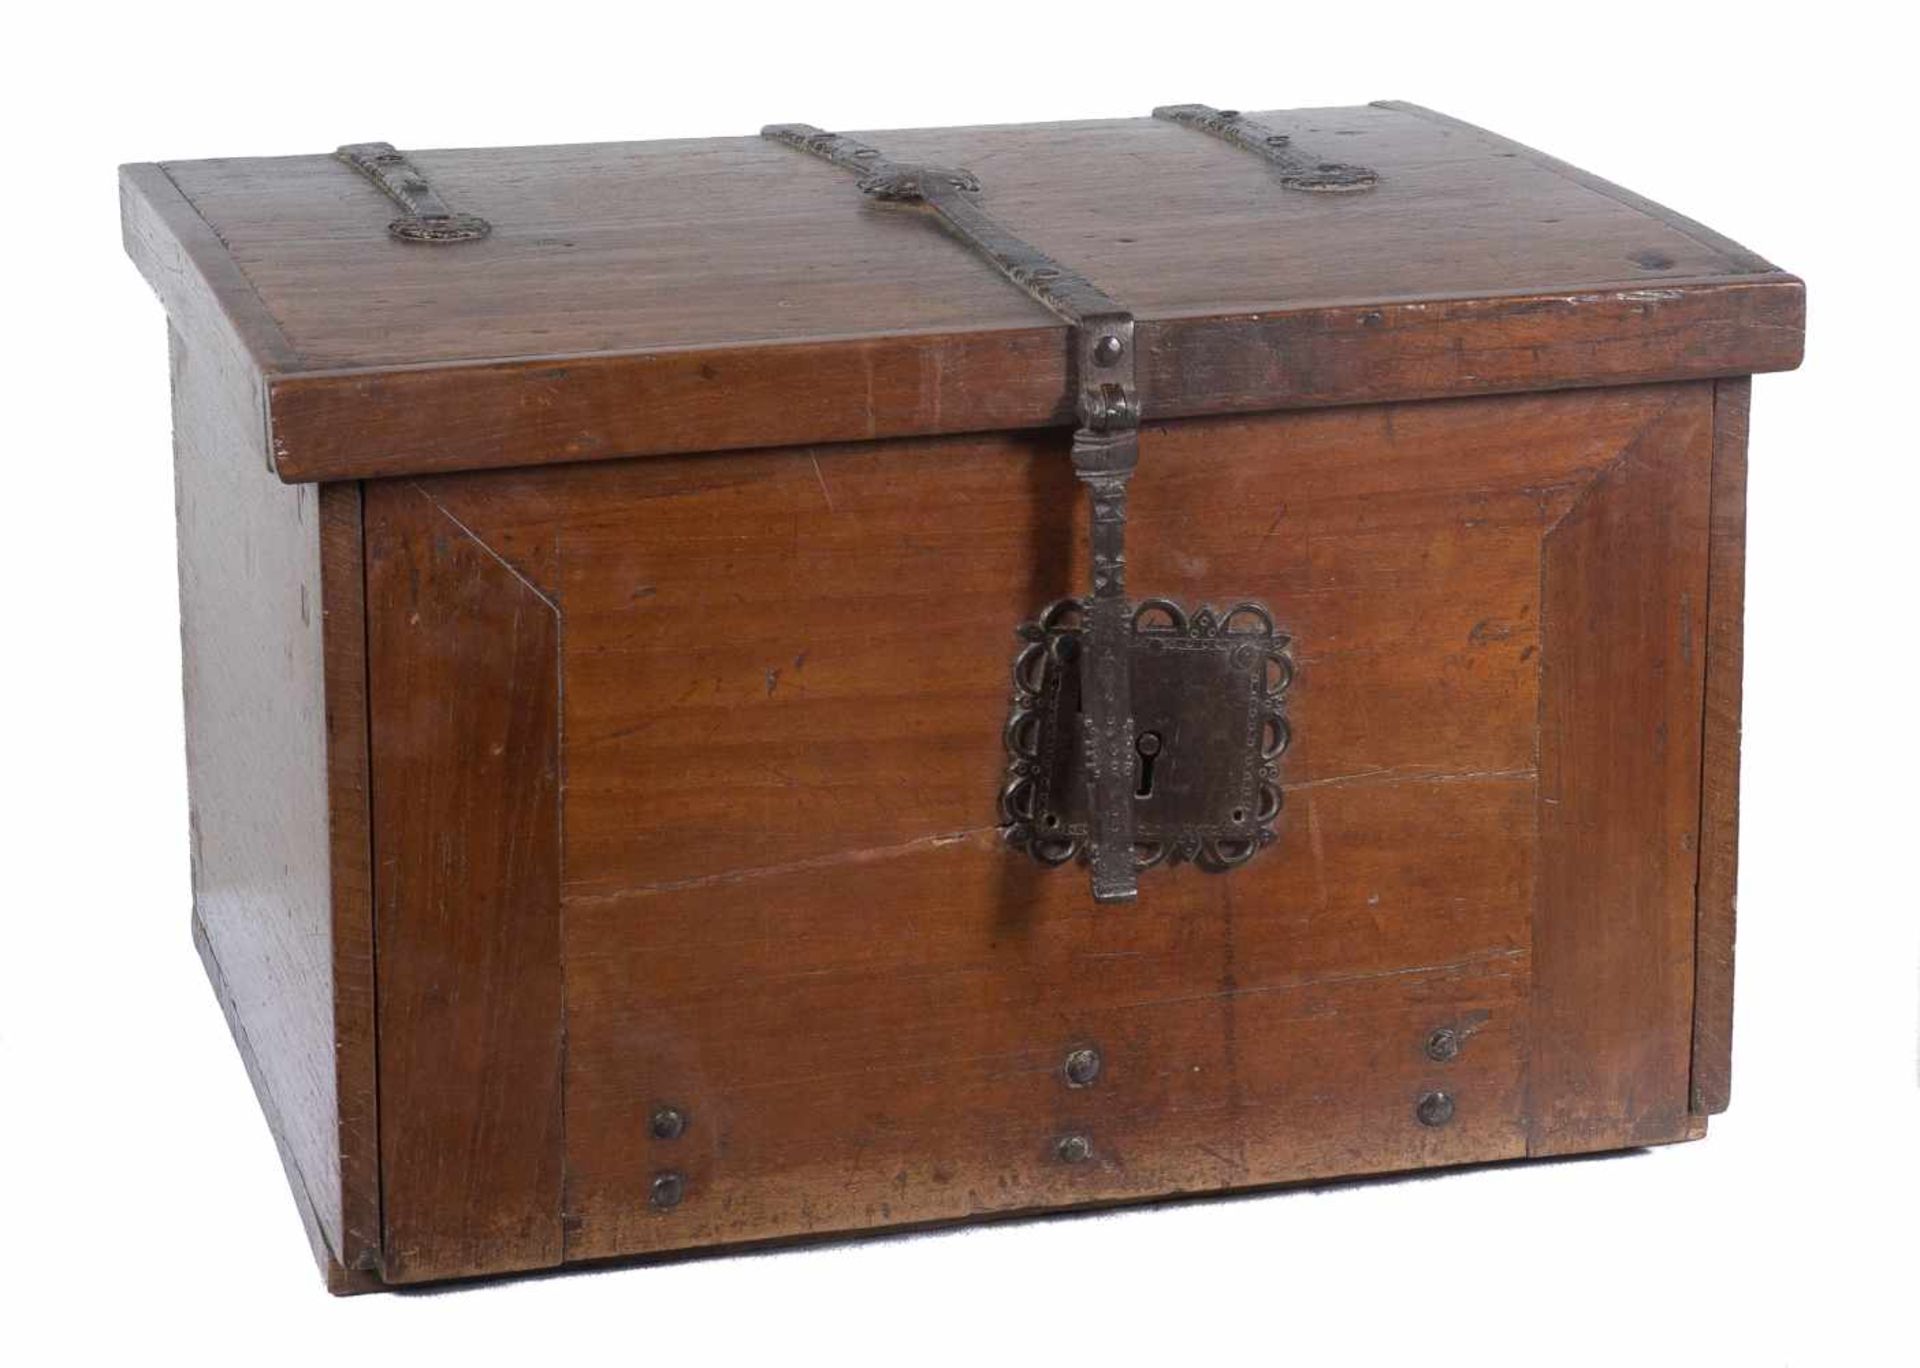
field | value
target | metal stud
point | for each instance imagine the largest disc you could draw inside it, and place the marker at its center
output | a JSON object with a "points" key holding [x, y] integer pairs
{"points": [[1443, 1044], [668, 1188], [1435, 1109], [668, 1123], [1074, 1149], [1108, 350], [1082, 1066]]}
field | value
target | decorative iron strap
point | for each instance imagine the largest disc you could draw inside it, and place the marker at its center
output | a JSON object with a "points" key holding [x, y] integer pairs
{"points": [[1298, 171], [1106, 448], [427, 217]]}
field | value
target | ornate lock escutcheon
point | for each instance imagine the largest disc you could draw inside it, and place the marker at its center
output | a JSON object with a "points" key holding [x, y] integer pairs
{"points": [[1209, 725]]}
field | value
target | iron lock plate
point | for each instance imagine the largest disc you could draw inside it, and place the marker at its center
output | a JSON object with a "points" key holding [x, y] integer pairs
{"points": [[1209, 725]]}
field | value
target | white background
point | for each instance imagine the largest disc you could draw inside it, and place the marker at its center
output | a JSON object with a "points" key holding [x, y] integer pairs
{"points": [[142, 1207]]}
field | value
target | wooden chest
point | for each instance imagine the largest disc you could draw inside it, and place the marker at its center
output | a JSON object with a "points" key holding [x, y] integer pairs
{"points": [[643, 798]]}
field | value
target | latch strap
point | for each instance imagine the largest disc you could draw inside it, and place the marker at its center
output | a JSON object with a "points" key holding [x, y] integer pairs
{"points": [[1106, 447], [948, 192]]}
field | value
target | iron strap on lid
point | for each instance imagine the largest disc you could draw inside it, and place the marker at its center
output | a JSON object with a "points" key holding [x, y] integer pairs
{"points": [[1106, 446], [1298, 170], [1194, 776], [427, 217]]}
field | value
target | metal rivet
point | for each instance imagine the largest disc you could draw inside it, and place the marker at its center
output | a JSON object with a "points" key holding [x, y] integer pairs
{"points": [[668, 1123], [1108, 349], [1074, 1149], [1082, 1067], [1443, 1044], [1435, 1109], [668, 1189]]}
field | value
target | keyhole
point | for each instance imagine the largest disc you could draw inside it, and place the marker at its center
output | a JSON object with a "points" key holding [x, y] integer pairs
{"points": [[1149, 746]]}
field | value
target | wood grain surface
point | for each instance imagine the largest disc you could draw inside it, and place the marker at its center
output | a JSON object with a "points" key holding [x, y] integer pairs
{"points": [[786, 910], [650, 298], [1623, 651], [464, 682], [272, 643], [1720, 752], [350, 849]]}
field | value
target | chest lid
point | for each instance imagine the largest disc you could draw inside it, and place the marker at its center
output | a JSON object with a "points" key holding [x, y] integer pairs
{"points": [[549, 304]]}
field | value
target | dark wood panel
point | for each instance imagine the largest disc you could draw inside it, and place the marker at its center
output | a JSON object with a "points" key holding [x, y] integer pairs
{"points": [[898, 1055], [351, 424], [726, 649], [786, 908], [464, 680], [594, 247], [344, 634], [1314, 1080], [1624, 588], [644, 299], [1720, 753], [269, 590]]}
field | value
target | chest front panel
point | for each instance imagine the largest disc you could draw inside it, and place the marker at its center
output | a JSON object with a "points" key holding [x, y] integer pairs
{"points": [[685, 781]]}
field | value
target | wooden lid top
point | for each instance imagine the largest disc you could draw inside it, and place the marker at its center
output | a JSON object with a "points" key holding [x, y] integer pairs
{"points": [[637, 298]]}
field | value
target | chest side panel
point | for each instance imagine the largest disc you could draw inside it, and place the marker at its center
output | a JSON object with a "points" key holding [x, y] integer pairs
{"points": [[271, 648], [783, 909]]}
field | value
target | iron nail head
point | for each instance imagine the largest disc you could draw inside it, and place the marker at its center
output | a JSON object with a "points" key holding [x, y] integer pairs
{"points": [[1074, 1149], [667, 1190], [1082, 1066]]}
